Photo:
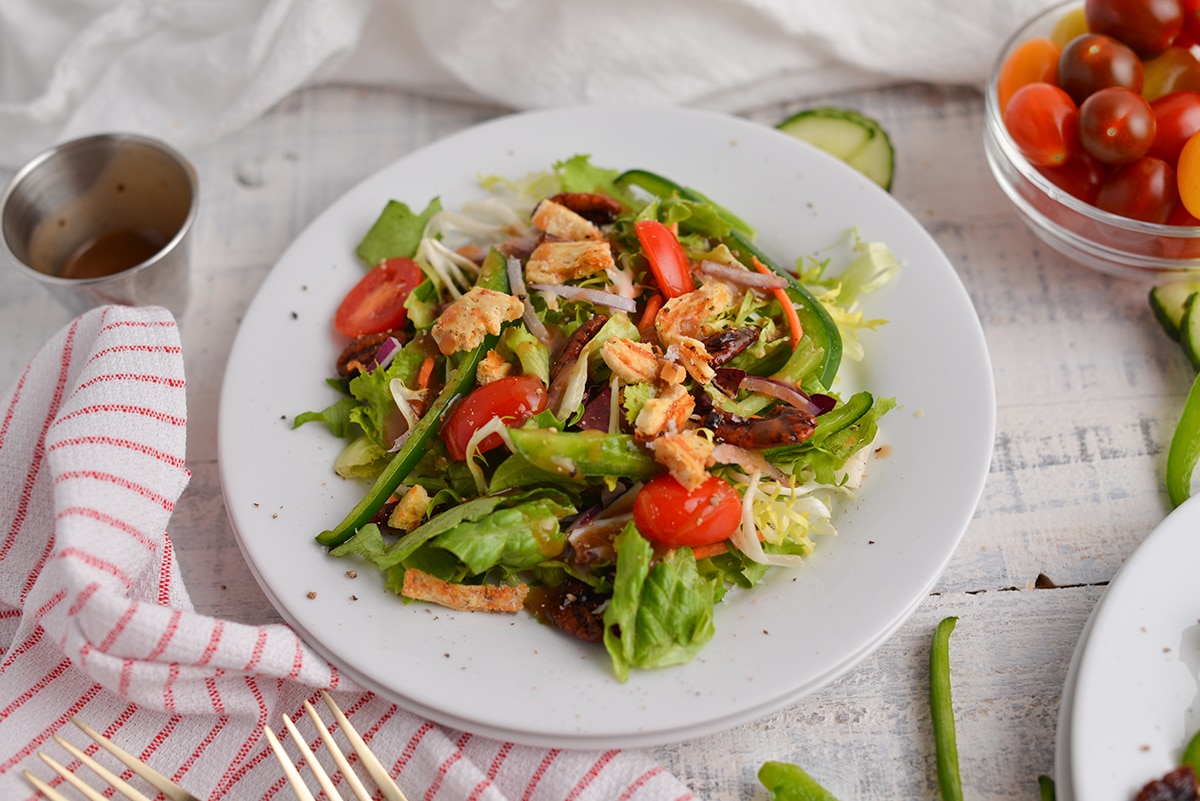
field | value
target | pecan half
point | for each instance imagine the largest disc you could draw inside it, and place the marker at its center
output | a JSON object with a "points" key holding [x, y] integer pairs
{"points": [[595, 208], [359, 355], [784, 425], [726, 344], [574, 344]]}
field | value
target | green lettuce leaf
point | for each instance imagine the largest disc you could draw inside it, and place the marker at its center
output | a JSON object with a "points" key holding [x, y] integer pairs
{"points": [[516, 538], [396, 232], [660, 614], [336, 416]]}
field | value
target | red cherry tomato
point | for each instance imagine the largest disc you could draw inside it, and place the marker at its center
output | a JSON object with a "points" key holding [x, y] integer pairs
{"points": [[666, 513], [376, 303], [1033, 61], [1144, 190], [1042, 121], [1082, 176], [1147, 26], [514, 399], [1176, 118], [1116, 125], [1190, 34], [1092, 61], [667, 260]]}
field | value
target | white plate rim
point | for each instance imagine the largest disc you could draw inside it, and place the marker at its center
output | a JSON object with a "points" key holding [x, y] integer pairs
{"points": [[955, 403], [1130, 698]]}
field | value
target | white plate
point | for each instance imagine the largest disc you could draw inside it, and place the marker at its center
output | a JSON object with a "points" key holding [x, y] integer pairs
{"points": [[1136, 699], [510, 677]]}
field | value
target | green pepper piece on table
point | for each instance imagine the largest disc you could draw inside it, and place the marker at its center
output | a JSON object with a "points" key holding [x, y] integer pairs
{"points": [[492, 275], [788, 782], [1185, 448], [941, 711]]}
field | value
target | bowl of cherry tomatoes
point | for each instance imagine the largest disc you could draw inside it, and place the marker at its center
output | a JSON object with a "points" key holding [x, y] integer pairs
{"points": [[1092, 121]]}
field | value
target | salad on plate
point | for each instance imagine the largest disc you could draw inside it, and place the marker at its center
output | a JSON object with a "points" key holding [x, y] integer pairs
{"points": [[592, 396]]}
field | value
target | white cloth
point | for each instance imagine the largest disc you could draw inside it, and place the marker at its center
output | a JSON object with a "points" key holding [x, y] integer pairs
{"points": [[189, 71], [95, 621]]}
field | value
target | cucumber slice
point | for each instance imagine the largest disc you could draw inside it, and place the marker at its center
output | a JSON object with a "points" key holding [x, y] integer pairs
{"points": [[1167, 302], [1189, 329], [848, 135]]}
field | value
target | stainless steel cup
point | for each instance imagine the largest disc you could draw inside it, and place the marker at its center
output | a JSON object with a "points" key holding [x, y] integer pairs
{"points": [[104, 219]]}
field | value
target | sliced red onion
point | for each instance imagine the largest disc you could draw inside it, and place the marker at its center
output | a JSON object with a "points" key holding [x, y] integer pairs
{"points": [[783, 391], [824, 402], [387, 351], [596, 412], [516, 283], [741, 276], [599, 297], [750, 461]]}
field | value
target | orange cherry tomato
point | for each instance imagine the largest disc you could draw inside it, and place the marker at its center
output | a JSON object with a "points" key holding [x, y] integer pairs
{"points": [[1188, 175], [514, 399], [1033, 61], [668, 261], [376, 303], [668, 514], [1043, 123]]}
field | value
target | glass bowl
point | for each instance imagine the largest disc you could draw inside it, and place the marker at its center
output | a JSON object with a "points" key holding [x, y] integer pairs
{"points": [[1086, 235]]}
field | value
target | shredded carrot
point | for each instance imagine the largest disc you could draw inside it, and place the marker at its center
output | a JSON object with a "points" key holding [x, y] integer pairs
{"points": [[652, 306], [425, 373], [788, 309], [705, 551]]}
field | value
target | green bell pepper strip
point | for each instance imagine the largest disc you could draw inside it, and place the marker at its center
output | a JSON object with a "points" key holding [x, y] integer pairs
{"points": [[1185, 448], [788, 782], [941, 711], [1046, 791], [814, 318], [662, 187], [459, 381], [584, 453]]}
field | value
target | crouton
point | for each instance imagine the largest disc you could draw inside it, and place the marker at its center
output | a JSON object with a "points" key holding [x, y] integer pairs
{"points": [[410, 510], [667, 411], [632, 362], [492, 367], [466, 321], [688, 315], [559, 262], [562, 223], [686, 455], [694, 357], [421, 586]]}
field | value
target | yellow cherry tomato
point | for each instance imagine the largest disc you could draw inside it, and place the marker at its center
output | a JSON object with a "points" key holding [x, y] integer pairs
{"points": [[1177, 69], [1187, 174], [1069, 26]]}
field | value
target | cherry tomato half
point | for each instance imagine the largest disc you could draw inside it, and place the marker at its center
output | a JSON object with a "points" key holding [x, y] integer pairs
{"points": [[667, 260], [376, 303], [1042, 121], [513, 399], [1176, 118], [668, 514], [1147, 26], [1093, 61], [1144, 190], [1116, 125], [1033, 61]]}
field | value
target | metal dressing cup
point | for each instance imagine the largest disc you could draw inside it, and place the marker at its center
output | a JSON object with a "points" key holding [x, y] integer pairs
{"points": [[104, 219]]}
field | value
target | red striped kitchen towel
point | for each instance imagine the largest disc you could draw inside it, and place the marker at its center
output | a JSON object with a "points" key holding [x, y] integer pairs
{"points": [[95, 621]]}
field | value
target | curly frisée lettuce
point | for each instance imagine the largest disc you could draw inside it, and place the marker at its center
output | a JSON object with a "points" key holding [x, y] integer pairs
{"points": [[627, 391]]}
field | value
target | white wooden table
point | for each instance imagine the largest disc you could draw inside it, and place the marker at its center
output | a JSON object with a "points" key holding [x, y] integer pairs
{"points": [[1088, 392]]}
